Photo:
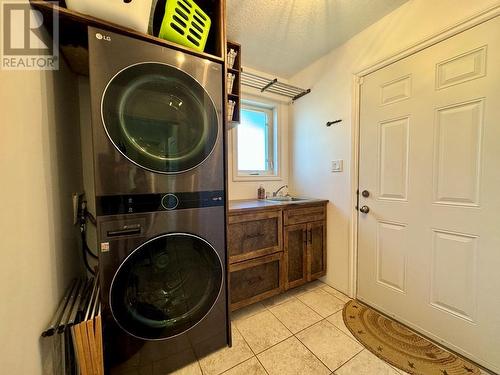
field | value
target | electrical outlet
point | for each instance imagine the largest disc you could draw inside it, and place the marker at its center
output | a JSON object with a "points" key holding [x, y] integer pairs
{"points": [[337, 166]]}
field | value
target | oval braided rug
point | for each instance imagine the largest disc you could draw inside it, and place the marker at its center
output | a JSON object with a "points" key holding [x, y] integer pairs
{"points": [[401, 347]]}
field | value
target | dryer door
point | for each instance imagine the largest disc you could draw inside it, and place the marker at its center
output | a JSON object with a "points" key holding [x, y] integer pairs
{"points": [[166, 286], [159, 118]]}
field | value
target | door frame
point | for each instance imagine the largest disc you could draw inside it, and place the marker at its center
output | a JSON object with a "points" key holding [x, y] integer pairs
{"points": [[357, 81]]}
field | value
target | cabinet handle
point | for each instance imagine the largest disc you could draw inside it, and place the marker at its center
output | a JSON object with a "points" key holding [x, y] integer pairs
{"points": [[310, 236], [254, 280], [256, 235], [304, 235]]}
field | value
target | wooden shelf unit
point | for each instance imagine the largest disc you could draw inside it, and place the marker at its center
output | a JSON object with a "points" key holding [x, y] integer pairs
{"points": [[235, 94], [73, 38]]}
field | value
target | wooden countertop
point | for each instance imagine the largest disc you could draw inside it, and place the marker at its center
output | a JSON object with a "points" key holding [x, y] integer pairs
{"points": [[246, 205]]}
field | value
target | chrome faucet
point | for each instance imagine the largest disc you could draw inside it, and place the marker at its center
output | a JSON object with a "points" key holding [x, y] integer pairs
{"points": [[275, 194]]}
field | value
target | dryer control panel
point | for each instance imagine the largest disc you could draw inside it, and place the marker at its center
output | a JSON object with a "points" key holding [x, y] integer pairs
{"points": [[131, 204]]}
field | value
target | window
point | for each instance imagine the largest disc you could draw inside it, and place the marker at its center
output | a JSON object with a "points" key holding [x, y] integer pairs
{"points": [[255, 144]]}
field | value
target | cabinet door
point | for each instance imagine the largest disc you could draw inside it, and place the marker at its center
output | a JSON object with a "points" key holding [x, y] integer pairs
{"points": [[255, 280], [295, 239], [316, 250]]}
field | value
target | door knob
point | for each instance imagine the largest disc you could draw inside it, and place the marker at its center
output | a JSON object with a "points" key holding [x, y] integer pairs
{"points": [[365, 193], [365, 209]]}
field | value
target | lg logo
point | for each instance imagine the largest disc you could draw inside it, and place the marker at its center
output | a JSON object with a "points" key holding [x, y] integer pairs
{"points": [[99, 36]]}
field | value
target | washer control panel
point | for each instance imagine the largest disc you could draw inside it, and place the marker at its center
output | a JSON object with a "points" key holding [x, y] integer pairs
{"points": [[131, 204]]}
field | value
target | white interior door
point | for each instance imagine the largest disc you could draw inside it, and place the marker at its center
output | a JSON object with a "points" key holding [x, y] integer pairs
{"points": [[429, 248]]}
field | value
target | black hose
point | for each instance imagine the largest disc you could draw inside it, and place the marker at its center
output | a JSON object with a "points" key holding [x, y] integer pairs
{"points": [[84, 215], [86, 246], [91, 218], [86, 261]]}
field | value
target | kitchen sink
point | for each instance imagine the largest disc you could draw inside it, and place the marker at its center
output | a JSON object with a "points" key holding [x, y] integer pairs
{"points": [[286, 199]]}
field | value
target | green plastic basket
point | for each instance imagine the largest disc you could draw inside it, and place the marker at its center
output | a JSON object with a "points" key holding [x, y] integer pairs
{"points": [[185, 23]]}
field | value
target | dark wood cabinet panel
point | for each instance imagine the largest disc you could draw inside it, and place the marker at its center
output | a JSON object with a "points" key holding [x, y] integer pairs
{"points": [[253, 235], [304, 215], [255, 280], [316, 250], [295, 243]]}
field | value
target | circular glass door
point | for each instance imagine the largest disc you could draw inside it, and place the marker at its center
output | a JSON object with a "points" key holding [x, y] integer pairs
{"points": [[159, 118], [166, 286]]}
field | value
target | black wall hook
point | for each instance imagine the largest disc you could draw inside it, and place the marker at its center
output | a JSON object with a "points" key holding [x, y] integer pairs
{"points": [[330, 123]]}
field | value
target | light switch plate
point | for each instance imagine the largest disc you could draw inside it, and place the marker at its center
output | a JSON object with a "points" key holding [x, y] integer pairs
{"points": [[337, 166]]}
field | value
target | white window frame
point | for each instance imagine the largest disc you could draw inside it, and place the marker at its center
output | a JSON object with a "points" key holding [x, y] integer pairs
{"points": [[272, 172]]}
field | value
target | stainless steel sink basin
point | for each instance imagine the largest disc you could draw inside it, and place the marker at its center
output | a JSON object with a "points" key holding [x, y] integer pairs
{"points": [[286, 199]]}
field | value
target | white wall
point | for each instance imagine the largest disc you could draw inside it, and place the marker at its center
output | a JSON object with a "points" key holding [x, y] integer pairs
{"points": [[248, 189], [40, 168], [314, 146]]}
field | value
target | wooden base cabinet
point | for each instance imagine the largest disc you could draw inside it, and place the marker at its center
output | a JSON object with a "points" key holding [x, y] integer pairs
{"points": [[271, 251], [304, 245]]}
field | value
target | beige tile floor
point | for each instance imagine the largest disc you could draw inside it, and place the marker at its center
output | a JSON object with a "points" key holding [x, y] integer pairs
{"points": [[299, 332]]}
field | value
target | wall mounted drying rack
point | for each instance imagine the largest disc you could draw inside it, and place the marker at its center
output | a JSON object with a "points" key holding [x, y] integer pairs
{"points": [[272, 86]]}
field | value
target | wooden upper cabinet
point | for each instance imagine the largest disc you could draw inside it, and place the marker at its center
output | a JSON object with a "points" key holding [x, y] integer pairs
{"points": [[295, 242], [254, 234]]}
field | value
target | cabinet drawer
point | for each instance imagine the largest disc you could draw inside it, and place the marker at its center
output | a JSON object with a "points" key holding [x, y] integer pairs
{"points": [[253, 235], [304, 215], [255, 280]]}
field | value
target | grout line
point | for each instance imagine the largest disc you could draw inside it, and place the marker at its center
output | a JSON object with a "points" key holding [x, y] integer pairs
{"points": [[302, 330], [279, 342], [325, 319], [310, 351], [199, 364], [239, 363], [272, 346], [342, 294], [254, 355], [292, 294], [265, 370], [349, 360], [310, 325], [249, 316], [290, 298]]}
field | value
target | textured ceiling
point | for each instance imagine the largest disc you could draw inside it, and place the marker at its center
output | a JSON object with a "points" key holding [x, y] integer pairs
{"points": [[284, 36]]}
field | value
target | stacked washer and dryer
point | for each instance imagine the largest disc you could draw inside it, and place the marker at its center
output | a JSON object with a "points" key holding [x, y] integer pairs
{"points": [[158, 160]]}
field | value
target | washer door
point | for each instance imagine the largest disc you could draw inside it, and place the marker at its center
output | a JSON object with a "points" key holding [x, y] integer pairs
{"points": [[159, 118], [166, 286]]}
